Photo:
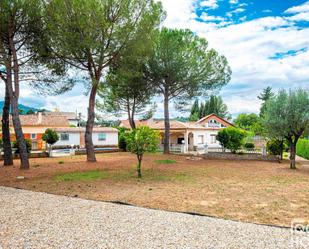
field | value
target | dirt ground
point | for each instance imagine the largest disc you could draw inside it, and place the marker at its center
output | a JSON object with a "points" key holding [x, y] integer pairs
{"points": [[252, 191]]}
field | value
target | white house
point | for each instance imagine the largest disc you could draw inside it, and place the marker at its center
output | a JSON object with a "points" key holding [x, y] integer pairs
{"points": [[75, 136], [189, 135]]}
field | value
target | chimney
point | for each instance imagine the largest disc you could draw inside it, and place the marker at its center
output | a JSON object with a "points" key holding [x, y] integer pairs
{"points": [[39, 117]]}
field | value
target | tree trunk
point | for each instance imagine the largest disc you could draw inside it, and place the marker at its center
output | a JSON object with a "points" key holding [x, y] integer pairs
{"points": [[7, 149], [23, 153], [293, 154], [139, 166], [89, 126], [166, 125], [281, 150]]}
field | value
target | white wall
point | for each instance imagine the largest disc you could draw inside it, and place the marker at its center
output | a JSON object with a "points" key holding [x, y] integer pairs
{"points": [[74, 138], [111, 138], [207, 138]]}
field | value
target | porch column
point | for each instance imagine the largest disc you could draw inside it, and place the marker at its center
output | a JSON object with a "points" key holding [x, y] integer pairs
{"points": [[186, 136]]}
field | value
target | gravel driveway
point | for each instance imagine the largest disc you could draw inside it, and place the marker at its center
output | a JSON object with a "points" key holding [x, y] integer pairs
{"points": [[38, 220]]}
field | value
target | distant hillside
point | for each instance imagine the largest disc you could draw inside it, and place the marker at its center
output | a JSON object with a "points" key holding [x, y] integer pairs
{"points": [[21, 107]]}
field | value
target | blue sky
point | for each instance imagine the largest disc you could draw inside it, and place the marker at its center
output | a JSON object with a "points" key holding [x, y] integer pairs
{"points": [[265, 41]]}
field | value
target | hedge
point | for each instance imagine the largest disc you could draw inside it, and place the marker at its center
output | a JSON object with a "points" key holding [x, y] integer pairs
{"points": [[302, 148]]}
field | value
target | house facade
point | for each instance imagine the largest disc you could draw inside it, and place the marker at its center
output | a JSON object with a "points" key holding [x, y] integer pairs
{"points": [[66, 125], [189, 136]]}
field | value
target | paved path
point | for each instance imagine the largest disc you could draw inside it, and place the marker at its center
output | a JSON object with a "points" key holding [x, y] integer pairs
{"points": [[38, 220]]}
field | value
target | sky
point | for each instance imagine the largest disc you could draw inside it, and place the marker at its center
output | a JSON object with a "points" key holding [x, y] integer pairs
{"points": [[266, 43]]}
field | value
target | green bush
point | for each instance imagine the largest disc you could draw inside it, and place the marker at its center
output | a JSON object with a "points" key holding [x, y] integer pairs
{"points": [[28, 145], [231, 138], [302, 148], [275, 147], [122, 144], [249, 146], [1, 144]]}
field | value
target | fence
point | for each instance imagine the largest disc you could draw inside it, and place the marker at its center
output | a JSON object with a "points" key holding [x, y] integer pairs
{"points": [[241, 151], [173, 148]]}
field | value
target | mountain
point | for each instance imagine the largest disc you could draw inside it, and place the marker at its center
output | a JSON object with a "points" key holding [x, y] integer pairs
{"points": [[21, 107]]}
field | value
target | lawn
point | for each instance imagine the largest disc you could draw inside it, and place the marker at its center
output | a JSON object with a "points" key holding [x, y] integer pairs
{"points": [[261, 192]]}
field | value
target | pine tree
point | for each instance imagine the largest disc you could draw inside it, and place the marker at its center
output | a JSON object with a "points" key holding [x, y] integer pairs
{"points": [[266, 95]]}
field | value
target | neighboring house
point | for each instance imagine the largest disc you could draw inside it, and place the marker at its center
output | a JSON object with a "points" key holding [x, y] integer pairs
{"points": [[34, 126], [189, 135], [75, 136]]}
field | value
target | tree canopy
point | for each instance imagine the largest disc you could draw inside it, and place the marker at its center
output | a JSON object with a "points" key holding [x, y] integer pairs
{"points": [[287, 117], [91, 35], [214, 105], [181, 67], [142, 140]]}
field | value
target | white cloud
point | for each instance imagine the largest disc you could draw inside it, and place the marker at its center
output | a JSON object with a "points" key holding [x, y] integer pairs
{"points": [[211, 4], [303, 16], [233, 1], [206, 17], [248, 47], [298, 9]]}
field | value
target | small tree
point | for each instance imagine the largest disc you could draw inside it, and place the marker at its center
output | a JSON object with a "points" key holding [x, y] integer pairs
{"points": [[231, 138], [50, 137], [287, 117], [141, 140]]}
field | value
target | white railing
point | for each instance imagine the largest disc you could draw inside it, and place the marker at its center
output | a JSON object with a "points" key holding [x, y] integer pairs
{"points": [[173, 148]]}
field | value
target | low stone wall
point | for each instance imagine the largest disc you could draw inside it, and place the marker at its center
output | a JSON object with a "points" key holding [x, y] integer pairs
{"points": [[230, 156], [83, 152], [31, 155]]}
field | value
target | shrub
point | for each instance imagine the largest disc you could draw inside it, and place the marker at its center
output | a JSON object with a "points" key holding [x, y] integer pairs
{"points": [[249, 146], [231, 138], [1, 144], [140, 140], [302, 148], [28, 145], [275, 147], [122, 139]]}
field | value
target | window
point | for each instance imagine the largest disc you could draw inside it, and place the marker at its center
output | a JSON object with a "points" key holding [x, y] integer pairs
{"points": [[200, 139], [64, 137], [213, 139], [33, 136], [102, 136]]}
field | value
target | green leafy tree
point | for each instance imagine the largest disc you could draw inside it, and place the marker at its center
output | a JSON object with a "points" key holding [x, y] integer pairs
{"points": [[142, 140], [127, 89], [194, 114], [231, 138], [266, 95], [215, 105], [91, 35], [182, 66], [51, 137], [287, 117], [20, 30], [246, 121]]}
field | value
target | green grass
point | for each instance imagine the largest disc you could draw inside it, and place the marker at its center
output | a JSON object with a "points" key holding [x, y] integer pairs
{"points": [[166, 161], [82, 176]]}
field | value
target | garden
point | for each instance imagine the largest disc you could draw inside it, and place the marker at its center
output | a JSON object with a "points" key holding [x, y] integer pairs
{"points": [[250, 191]]}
